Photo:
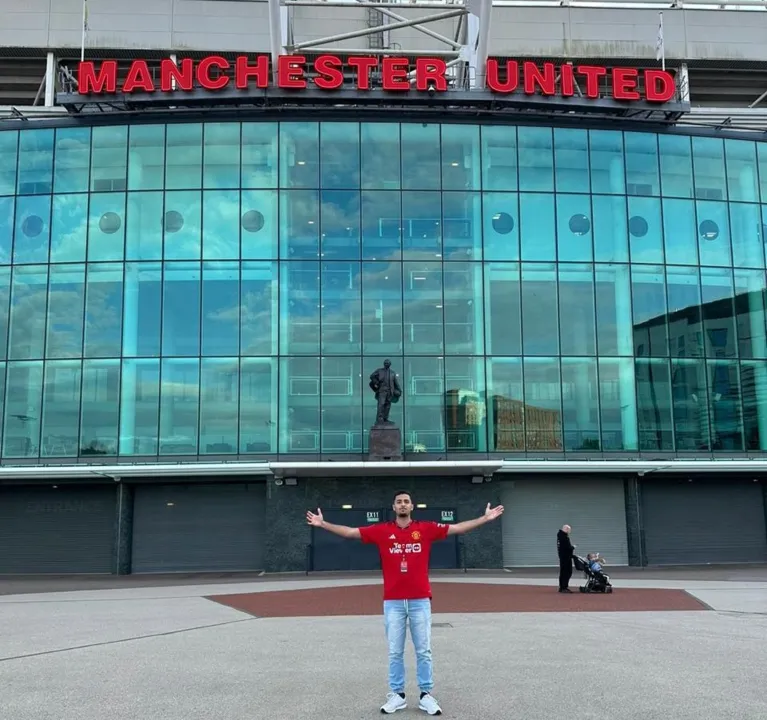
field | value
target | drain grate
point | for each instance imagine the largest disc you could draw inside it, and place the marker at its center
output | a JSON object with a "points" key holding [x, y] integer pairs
{"points": [[441, 625]]}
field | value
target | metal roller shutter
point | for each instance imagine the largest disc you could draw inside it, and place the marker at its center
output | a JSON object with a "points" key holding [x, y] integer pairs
{"points": [[198, 528], [703, 522], [68, 529], [534, 510]]}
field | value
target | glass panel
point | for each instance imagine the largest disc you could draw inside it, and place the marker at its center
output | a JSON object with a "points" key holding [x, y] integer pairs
{"points": [[9, 142], [259, 225], [340, 155], [221, 155], [611, 242], [747, 231], [537, 227], [183, 157], [106, 228], [576, 310], [753, 382], [219, 409], [69, 228], [65, 311], [100, 407], [536, 159], [761, 155], [260, 142], [503, 310], [424, 392], [381, 225], [179, 406], [300, 405], [380, 156], [423, 315], [645, 230], [499, 157], [618, 404], [648, 293], [397, 410], [28, 306], [465, 408], [462, 226], [580, 404], [299, 308], [140, 407], [750, 306], [689, 393], [342, 389], [685, 328], [461, 168], [681, 242], [420, 156], [539, 309], [708, 165], [340, 224], [340, 311], [33, 229], [463, 309], [606, 155], [24, 385], [422, 225], [656, 429], [35, 162], [181, 310], [73, 159], [299, 224], [713, 234], [642, 164], [742, 176], [5, 301], [109, 158], [60, 409], [258, 405], [182, 225], [615, 330], [543, 411], [676, 166], [258, 309], [724, 405], [500, 227], [221, 225], [718, 313], [574, 228], [571, 155], [506, 408], [104, 311], [299, 155], [382, 308], [144, 226], [220, 309], [7, 205], [141, 312], [146, 157]]}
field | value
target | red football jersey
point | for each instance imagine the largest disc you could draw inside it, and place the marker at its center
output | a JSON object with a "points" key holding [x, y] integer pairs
{"points": [[405, 555]]}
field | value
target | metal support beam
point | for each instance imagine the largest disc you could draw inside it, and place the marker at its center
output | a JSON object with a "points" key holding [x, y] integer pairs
{"points": [[483, 12], [759, 99], [420, 28], [275, 34], [50, 79]]}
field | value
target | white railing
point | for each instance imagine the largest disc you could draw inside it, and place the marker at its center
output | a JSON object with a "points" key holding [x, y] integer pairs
{"points": [[628, 4]]}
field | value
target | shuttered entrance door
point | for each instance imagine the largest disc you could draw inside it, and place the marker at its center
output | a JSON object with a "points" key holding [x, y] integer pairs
{"points": [[535, 509], [703, 522], [70, 529], [198, 528]]}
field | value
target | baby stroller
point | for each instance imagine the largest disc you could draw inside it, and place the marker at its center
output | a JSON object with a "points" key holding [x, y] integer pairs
{"points": [[595, 581]]}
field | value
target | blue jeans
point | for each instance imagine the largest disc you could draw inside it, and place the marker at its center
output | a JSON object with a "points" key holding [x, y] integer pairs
{"points": [[397, 613]]}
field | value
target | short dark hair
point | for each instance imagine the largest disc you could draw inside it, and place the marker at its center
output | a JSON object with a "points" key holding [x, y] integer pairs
{"points": [[402, 492]]}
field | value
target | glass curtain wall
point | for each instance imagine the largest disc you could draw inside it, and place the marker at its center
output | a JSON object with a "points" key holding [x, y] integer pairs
{"points": [[227, 288]]}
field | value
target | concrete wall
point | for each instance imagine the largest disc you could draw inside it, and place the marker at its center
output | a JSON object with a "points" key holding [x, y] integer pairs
{"points": [[207, 25]]}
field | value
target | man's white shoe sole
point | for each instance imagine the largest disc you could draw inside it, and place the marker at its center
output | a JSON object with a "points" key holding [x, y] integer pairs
{"points": [[391, 712], [426, 710]]}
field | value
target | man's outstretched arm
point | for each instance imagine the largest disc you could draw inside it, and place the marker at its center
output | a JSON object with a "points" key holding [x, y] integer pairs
{"points": [[462, 528], [344, 531]]}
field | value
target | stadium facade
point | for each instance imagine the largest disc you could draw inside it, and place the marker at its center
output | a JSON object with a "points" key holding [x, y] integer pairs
{"points": [[217, 219]]}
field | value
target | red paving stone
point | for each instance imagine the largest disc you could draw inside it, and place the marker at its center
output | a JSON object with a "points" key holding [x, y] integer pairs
{"points": [[458, 598]]}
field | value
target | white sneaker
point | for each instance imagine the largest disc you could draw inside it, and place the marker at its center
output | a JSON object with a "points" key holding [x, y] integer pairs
{"points": [[429, 705], [394, 702]]}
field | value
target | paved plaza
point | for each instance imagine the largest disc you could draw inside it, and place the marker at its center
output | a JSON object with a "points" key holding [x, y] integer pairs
{"points": [[685, 645]]}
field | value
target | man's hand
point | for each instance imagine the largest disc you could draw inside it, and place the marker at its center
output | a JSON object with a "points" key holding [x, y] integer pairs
{"points": [[315, 520], [493, 513]]}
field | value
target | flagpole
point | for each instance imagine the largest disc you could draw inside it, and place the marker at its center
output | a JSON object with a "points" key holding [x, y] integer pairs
{"points": [[662, 44], [85, 25]]}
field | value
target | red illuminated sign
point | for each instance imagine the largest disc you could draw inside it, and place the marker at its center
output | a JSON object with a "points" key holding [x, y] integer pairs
{"points": [[326, 72]]}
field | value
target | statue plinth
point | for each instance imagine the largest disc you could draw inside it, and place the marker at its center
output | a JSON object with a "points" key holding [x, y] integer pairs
{"points": [[385, 443]]}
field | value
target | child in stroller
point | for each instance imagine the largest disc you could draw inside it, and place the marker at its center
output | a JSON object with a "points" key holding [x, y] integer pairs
{"points": [[591, 567]]}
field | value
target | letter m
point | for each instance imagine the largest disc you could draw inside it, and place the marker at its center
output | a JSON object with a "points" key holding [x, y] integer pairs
{"points": [[88, 81]]}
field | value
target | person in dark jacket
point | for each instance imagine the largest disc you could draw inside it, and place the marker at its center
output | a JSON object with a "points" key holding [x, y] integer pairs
{"points": [[565, 551]]}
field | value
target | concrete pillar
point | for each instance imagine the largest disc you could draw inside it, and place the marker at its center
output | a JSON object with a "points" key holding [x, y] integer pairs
{"points": [[634, 530], [123, 541]]}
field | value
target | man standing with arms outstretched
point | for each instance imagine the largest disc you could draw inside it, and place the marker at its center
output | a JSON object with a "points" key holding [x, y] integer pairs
{"points": [[405, 545]]}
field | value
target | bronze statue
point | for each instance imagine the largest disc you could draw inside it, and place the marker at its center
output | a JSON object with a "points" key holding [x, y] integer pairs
{"points": [[385, 385]]}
